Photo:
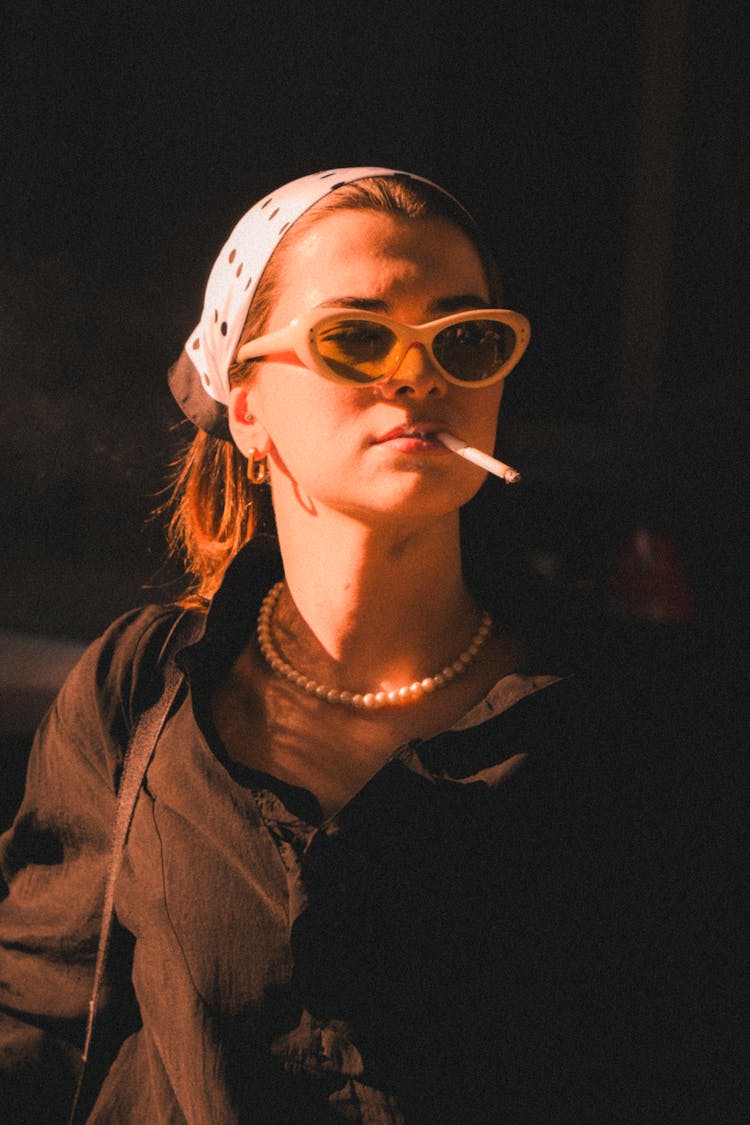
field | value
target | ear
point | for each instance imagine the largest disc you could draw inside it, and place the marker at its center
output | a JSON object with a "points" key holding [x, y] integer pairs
{"points": [[248, 433]]}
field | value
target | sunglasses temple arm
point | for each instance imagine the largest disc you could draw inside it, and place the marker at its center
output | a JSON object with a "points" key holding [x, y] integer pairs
{"points": [[283, 339], [483, 460]]}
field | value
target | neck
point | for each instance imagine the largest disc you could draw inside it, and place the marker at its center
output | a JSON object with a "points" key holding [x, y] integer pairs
{"points": [[380, 605]]}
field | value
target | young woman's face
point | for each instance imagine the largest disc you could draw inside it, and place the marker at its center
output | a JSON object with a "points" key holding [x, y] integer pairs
{"points": [[348, 448]]}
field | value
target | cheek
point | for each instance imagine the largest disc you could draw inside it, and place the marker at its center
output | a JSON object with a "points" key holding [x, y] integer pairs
{"points": [[484, 413], [496, 399], [299, 410]]}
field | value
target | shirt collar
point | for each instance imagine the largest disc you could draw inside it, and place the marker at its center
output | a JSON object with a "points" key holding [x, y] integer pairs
{"points": [[233, 612]]}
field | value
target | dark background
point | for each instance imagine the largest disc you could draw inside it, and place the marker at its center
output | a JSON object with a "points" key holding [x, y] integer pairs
{"points": [[602, 147]]}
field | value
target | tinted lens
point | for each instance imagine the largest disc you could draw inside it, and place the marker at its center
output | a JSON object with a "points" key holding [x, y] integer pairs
{"points": [[358, 350], [474, 350]]}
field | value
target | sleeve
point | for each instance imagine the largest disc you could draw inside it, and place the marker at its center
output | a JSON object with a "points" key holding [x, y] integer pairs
{"points": [[53, 865]]}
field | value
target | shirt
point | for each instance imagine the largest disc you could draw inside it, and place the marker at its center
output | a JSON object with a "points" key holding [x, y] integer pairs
{"points": [[482, 933]]}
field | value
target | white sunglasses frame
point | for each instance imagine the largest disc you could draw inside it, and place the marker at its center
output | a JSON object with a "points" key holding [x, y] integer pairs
{"points": [[299, 337]]}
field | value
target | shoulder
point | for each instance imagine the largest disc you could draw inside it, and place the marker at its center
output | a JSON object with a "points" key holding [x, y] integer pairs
{"points": [[118, 676], [126, 651], [73, 768], [127, 656]]}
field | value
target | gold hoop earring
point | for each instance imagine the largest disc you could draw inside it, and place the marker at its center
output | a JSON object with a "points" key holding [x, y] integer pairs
{"points": [[257, 468]]}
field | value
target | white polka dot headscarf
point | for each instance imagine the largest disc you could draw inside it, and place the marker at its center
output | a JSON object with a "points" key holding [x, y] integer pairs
{"points": [[199, 380]]}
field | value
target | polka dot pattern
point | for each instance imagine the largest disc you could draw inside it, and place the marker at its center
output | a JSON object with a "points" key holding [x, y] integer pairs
{"points": [[234, 278]]}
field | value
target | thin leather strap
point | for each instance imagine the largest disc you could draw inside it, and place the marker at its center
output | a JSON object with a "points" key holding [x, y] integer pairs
{"points": [[139, 753]]}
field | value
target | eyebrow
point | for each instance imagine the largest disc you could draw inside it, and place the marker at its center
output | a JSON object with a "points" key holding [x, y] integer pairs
{"points": [[441, 305]]}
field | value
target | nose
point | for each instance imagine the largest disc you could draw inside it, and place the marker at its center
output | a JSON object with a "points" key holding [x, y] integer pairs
{"points": [[416, 375]]}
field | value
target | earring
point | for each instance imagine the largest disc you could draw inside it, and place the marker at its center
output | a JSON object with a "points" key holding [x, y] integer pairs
{"points": [[249, 417], [257, 468]]}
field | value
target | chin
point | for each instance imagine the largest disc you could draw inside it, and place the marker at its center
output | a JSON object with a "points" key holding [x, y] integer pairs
{"points": [[416, 503]]}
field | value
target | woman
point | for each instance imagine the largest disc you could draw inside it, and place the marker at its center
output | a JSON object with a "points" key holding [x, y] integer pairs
{"points": [[379, 868]]}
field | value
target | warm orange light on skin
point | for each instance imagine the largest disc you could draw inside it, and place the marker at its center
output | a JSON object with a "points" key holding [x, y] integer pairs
{"points": [[322, 436]]}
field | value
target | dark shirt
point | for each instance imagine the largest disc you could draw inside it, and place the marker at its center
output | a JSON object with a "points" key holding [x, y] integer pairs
{"points": [[497, 927]]}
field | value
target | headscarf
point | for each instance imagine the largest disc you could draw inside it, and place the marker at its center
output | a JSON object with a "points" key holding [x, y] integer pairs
{"points": [[199, 380]]}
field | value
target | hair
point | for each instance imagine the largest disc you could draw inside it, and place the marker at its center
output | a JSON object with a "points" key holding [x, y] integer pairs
{"points": [[214, 509]]}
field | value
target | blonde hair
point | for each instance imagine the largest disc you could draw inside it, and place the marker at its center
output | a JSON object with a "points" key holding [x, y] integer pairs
{"points": [[213, 508]]}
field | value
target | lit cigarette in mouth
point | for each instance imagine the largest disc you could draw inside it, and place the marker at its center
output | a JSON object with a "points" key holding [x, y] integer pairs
{"points": [[483, 460]]}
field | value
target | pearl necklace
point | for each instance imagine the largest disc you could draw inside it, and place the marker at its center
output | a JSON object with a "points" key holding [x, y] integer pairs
{"points": [[365, 700]]}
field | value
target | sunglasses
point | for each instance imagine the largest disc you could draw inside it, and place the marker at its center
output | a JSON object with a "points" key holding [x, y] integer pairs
{"points": [[471, 349]]}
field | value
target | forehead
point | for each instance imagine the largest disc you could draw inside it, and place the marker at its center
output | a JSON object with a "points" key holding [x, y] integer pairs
{"points": [[370, 254]]}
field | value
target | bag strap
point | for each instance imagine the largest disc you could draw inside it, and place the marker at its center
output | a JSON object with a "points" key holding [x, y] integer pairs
{"points": [[137, 757]]}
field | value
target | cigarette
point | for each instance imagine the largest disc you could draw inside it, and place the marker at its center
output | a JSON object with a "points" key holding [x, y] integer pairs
{"points": [[483, 460]]}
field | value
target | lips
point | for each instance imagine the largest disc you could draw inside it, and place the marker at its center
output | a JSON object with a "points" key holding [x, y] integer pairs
{"points": [[416, 431]]}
